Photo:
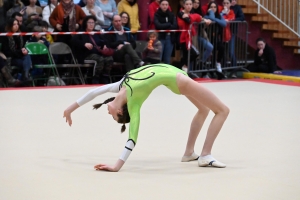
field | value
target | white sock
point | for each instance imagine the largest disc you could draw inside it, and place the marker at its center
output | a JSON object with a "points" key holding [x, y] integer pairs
{"points": [[207, 157]]}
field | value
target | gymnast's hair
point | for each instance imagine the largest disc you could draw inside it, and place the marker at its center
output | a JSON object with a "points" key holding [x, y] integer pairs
{"points": [[122, 119]]}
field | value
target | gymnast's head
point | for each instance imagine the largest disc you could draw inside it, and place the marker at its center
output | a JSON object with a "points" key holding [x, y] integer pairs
{"points": [[120, 114]]}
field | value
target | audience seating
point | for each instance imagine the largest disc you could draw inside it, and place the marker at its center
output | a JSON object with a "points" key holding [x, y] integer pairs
{"points": [[36, 48]]}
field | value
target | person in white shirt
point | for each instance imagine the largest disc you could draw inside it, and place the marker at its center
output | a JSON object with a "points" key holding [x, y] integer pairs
{"points": [[47, 12], [91, 9]]}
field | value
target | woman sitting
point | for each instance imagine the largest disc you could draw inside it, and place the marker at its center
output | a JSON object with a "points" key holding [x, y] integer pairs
{"points": [[87, 47], [13, 46]]}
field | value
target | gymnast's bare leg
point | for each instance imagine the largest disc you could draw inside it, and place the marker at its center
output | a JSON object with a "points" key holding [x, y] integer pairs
{"points": [[204, 100]]}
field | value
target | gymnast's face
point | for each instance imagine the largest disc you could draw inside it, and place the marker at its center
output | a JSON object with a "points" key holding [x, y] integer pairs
{"points": [[113, 111]]}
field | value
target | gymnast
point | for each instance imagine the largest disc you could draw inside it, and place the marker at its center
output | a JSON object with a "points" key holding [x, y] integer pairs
{"points": [[134, 88]]}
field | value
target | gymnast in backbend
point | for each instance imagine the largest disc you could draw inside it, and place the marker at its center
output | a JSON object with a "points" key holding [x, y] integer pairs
{"points": [[133, 90]]}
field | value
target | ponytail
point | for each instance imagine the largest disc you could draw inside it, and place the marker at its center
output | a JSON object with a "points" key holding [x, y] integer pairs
{"points": [[96, 106], [123, 128]]}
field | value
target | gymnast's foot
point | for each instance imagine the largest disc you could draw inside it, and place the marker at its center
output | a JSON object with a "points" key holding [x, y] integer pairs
{"points": [[190, 158], [208, 160]]}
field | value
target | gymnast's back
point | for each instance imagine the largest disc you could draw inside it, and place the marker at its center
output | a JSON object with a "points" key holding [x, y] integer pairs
{"points": [[142, 81]]}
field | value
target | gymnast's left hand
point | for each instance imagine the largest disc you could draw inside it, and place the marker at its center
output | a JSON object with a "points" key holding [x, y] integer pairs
{"points": [[105, 167], [114, 168], [67, 115]]}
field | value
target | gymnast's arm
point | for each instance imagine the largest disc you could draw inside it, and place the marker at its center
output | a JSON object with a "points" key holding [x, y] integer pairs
{"points": [[130, 144], [90, 95]]}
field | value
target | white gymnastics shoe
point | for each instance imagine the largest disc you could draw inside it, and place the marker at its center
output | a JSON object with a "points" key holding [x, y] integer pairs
{"points": [[204, 161], [190, 158]]}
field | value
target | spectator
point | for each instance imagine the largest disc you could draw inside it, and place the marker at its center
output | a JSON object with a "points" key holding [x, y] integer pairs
{"points": [[47, 12], [109, 9], [125, 19], [185, 18], [203, 41], [5, 72], [216, 36], [45, 27], [33, 8], [66, 17], [27, 2], [86, 48], [153, 7], [152, 51], [17, 6], [205, 7], [40, 39], [13, 46], [39, 59], [132, 8], [229, 16], [264, 58], [164, 19], [91, 9], [239, 17], [33, 23], [124, 44], [82, 3], [19, 17]]}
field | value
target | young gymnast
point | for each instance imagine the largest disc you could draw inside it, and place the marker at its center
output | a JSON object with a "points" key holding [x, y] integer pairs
{"points": [[133, 90]]}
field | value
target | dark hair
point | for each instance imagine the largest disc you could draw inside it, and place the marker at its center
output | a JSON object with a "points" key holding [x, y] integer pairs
{"points": [[188, 0], [16, 14], [152, 33], [163, 1], [9, 24], [198, 10], [217, 13], [128, 23], [260, 40], [86, 19], [49, 4], [43, 23], [122, 119]]}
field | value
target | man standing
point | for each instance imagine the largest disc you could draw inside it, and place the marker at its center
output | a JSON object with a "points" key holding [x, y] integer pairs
{"points": [[124, 44]]}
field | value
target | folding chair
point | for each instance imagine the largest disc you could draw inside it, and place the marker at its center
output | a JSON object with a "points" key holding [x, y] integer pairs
{"points": [[36, 48], [60, 48]]}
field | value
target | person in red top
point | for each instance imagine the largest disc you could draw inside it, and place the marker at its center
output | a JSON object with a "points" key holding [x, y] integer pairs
{"points": [[205, 7], [184, 19], [153, 7]]}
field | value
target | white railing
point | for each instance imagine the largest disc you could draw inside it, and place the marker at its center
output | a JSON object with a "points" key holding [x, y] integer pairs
{"points": [[285, 11]]}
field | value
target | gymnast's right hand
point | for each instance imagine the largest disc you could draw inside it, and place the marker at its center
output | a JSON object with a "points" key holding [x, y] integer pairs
{"points": [[67, 115]]}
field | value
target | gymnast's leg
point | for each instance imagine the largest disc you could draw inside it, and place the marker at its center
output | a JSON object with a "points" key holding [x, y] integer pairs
{"points": [[195, 91], [195, 128]]}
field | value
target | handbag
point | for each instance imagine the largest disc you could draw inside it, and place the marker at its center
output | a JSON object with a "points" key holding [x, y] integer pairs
{"points": [[104, 52]]}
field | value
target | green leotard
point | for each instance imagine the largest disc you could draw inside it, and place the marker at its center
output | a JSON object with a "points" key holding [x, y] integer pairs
{"points": [[140, 83]]}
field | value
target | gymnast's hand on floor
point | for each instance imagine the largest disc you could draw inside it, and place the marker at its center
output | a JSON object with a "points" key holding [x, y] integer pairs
{"points": [[105, 167], [114, 168], [67, 115]]}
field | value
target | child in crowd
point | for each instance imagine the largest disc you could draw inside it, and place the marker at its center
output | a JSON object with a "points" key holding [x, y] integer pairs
{"points": [[153, 50], [40, 38], [45, 28]]}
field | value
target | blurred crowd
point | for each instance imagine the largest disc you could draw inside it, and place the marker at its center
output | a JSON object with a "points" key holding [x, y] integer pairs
{"points": [[120, 46]]}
